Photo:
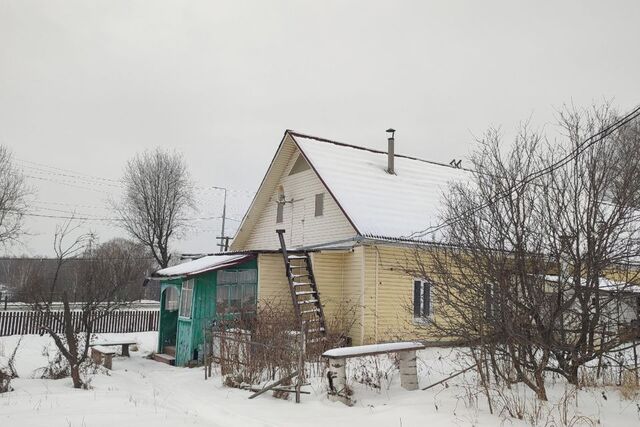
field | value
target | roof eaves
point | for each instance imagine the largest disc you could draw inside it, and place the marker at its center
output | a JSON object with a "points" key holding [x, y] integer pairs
{"points": [[231, 263]]}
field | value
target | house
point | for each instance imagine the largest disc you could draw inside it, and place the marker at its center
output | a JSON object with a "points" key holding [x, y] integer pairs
{"points": [[357, 211]]}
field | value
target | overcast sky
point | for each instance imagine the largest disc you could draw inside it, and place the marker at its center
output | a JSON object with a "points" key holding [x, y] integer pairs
{"points": [[84, 85]]}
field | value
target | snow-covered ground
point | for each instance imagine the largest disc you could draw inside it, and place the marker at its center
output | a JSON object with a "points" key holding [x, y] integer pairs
{"points": [[140, 391]]}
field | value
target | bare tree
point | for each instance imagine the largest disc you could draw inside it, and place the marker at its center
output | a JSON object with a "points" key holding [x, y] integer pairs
{"points": [[158, 193], [102, 282], [520, 270], [13, 191]]}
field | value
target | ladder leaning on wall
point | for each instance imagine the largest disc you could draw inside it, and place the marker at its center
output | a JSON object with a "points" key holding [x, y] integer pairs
{"points": [[304, 293]]}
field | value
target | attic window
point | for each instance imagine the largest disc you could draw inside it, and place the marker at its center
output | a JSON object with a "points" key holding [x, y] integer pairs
{"points": [[300, 165], [319, 204]]}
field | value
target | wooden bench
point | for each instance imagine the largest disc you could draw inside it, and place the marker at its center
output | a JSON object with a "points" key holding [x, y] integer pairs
{"points": [[124, 343], [102, 355], [337, 374]]}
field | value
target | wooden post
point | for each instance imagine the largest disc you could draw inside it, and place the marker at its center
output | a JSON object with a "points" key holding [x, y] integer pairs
{"points": [[408, 370], [338, 375], [635, 361], [301, 351]]}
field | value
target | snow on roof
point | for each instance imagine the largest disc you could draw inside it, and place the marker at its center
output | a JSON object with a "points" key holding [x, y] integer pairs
{"points": [[377, 203], [203, 265]]}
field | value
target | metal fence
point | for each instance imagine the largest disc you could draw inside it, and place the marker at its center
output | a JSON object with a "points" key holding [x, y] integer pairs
{"points": [[117, 321]]}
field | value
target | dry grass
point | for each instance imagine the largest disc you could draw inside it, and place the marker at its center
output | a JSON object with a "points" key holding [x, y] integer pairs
{"points": [[629, 388]]}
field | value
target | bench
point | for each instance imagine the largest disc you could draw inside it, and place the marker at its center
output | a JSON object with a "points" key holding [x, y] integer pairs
{"points": [[337, 357], [102, 355], [124, 343]]}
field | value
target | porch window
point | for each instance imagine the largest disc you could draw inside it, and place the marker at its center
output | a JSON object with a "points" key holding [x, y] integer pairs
{"points": [[237, 292], [171, 298], [186, 297], [422, 299]]}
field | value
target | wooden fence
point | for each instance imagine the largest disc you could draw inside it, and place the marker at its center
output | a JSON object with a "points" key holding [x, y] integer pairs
{"points": [[117, 321]]}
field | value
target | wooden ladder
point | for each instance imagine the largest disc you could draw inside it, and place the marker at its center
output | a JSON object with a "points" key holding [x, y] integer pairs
{"points": [[304, 293]]}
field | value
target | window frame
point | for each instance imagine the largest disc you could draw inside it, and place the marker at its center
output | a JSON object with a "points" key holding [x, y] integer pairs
{"points": [[171, 304], [236, 283], [186, 298], [420, 316], [319, 205]]}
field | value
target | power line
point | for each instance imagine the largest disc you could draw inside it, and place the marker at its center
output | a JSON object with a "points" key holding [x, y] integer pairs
{"points": [[73, 205], [67, 184], [579, 149], [88, 217], [81, 174], [74, 178]]}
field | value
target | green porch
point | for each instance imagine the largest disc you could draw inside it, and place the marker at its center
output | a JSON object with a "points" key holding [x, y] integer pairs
{"points": [[195, 294]]}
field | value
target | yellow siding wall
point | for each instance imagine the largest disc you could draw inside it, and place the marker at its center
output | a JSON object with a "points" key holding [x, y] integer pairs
{"points": [[382, 313], [302, 227], [327, 268], [389, 296], [332, 271], [272, 281], [352, 292]]}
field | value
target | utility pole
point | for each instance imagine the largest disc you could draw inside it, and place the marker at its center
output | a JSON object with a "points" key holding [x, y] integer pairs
{"points": [[224, 241]]}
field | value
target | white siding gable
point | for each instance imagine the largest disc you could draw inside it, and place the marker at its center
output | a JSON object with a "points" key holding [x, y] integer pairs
{"points": [[302, 227]]}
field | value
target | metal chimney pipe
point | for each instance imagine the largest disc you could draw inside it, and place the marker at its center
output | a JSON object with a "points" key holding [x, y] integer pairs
{"points": [[391, 151]]}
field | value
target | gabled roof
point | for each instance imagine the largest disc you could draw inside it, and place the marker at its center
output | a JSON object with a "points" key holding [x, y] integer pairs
{"points": [[379, 204], [202, 265], [393, 207]]}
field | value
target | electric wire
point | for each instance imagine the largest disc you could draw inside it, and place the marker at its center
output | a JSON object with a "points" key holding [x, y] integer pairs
{"points": [[579, 149]]}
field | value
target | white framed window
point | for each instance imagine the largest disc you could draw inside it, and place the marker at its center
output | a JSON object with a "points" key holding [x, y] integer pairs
{"points": [[490, 303], [171, 299], [319, 211], [186, 298], [236, 292], [422, 300]]}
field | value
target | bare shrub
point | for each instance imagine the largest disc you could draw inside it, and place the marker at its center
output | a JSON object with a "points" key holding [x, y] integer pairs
{"points": [[265, 345], [256, 348], [7, 368], [373, 372], [57, 366]]}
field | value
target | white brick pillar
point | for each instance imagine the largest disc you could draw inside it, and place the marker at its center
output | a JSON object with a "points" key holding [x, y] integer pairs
{"points": [[337, 375], [408, 370]]}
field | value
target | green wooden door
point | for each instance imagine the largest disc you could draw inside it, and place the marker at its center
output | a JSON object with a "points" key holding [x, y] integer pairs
{"points": [[184, 348]]}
